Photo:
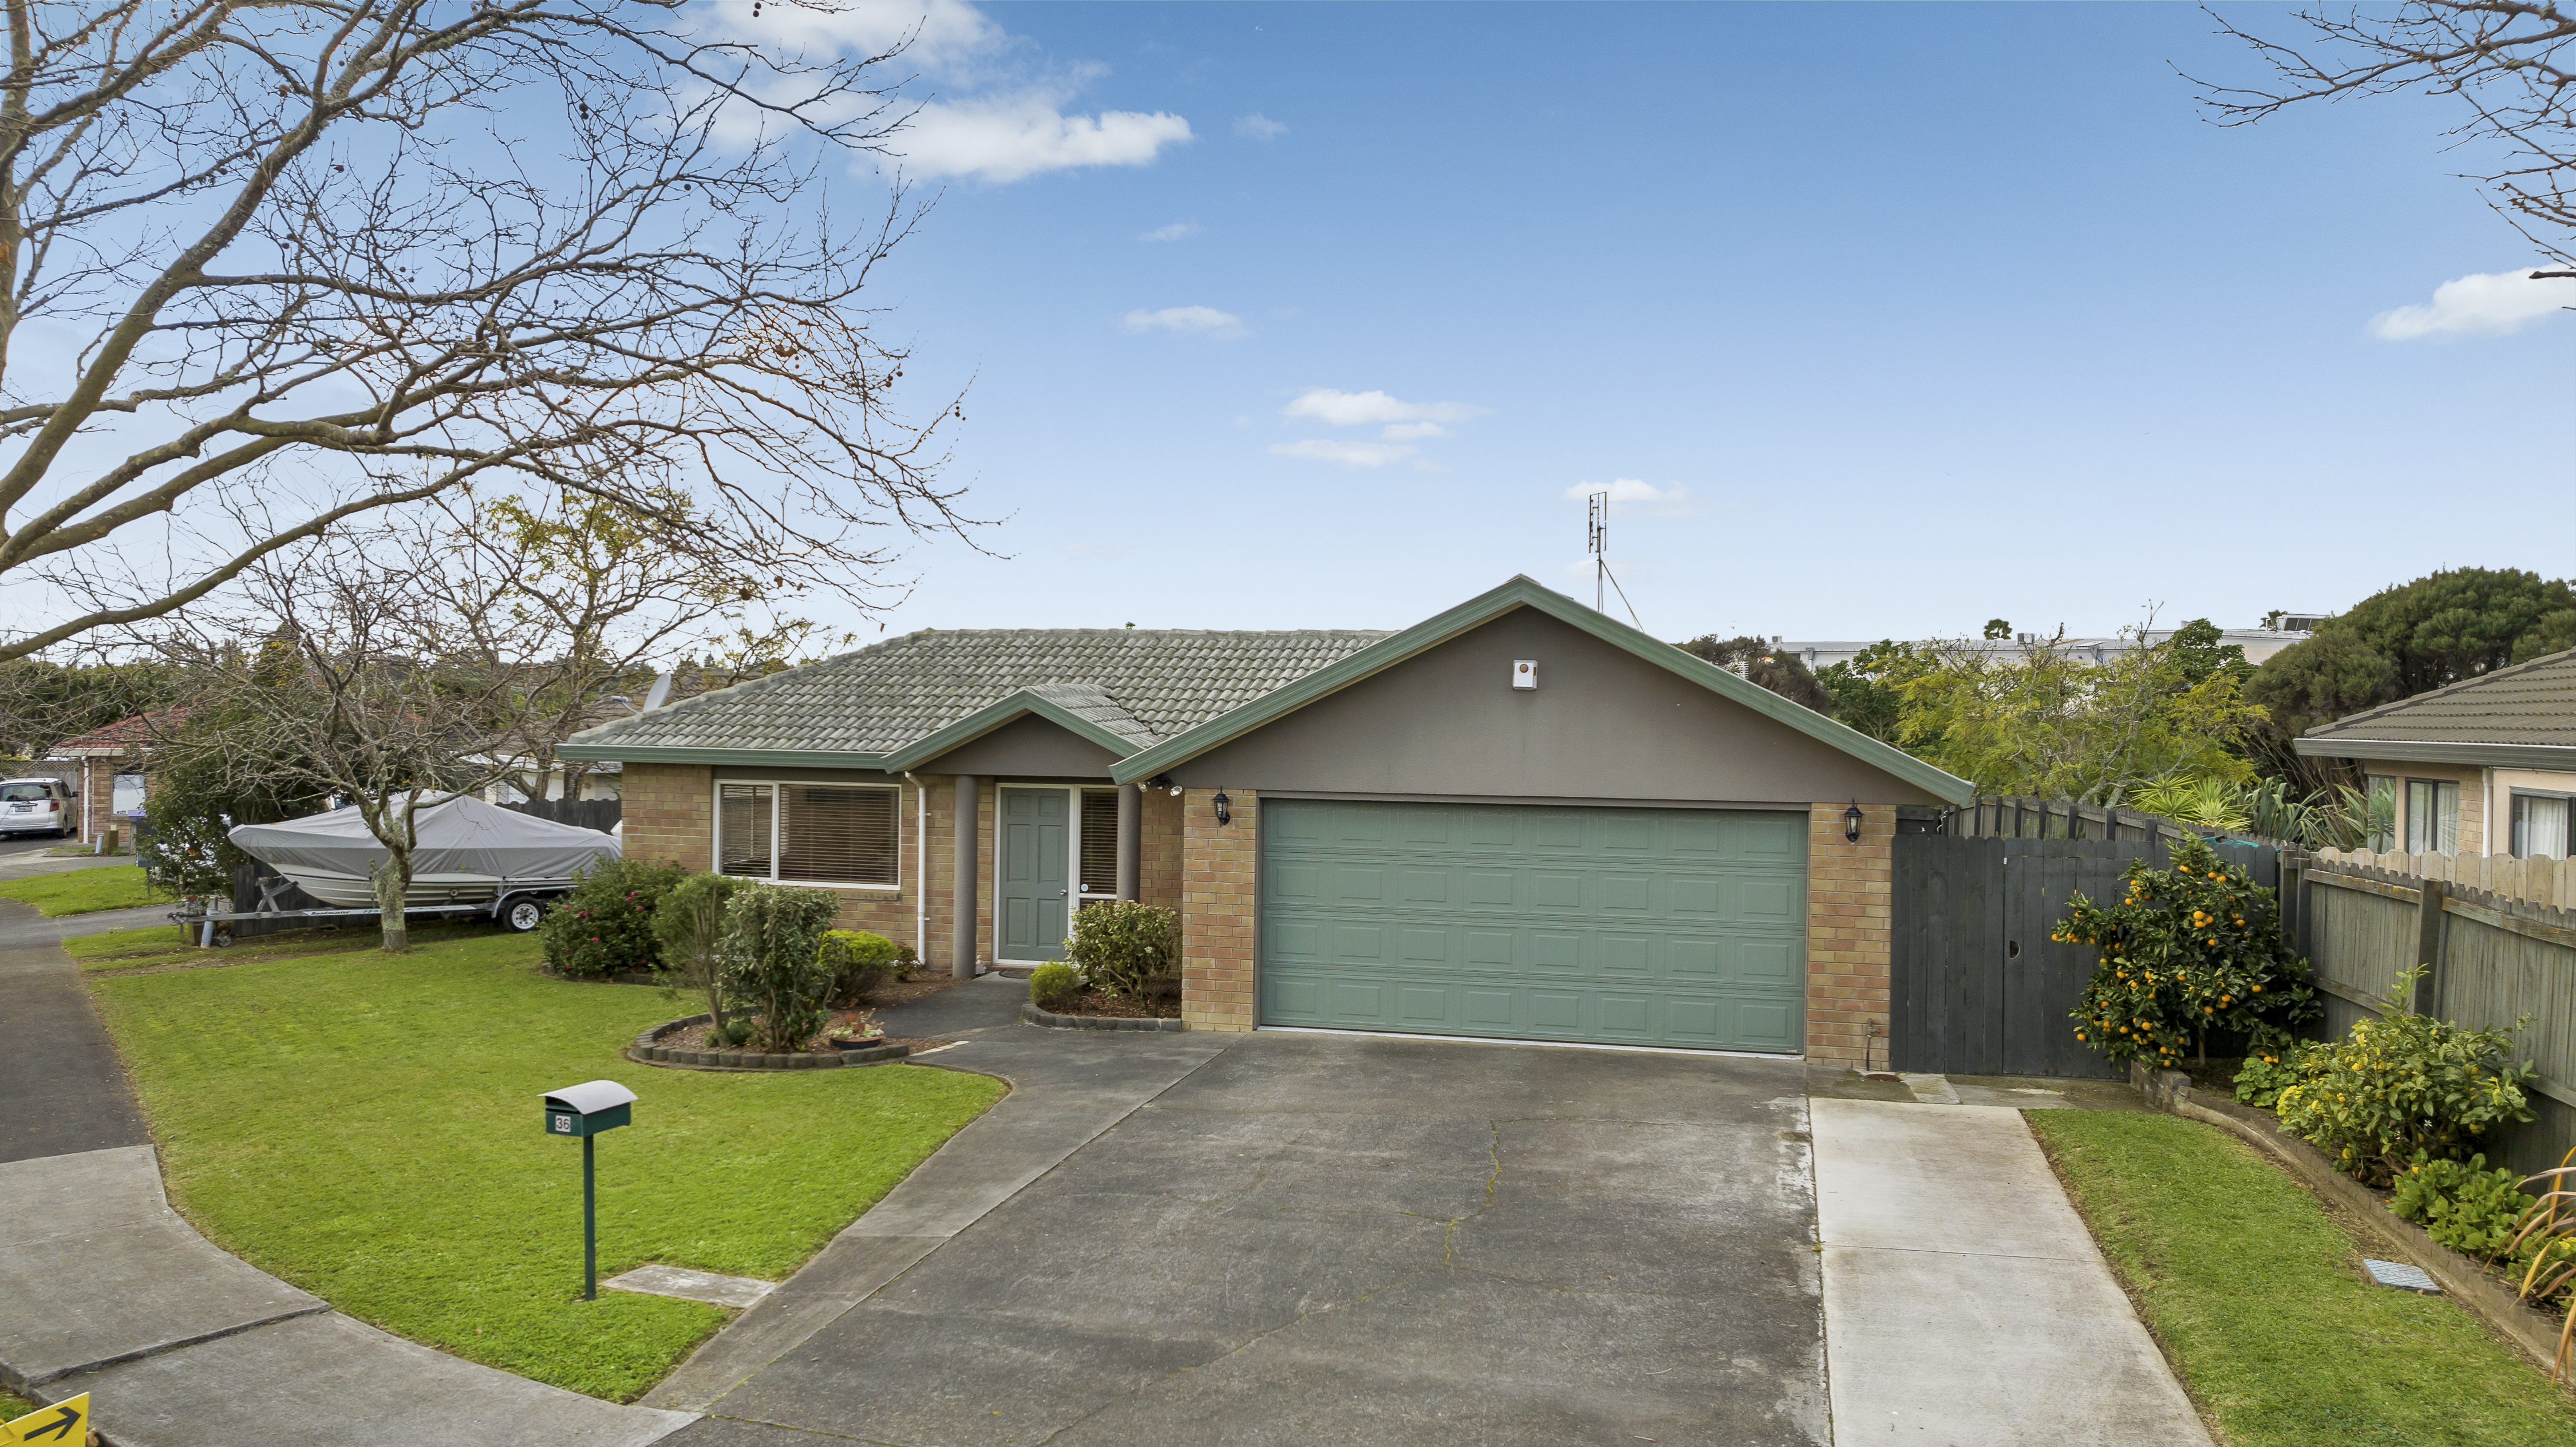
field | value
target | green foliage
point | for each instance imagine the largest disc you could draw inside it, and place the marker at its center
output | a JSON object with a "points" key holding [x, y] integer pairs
{"points": [[2418, 636], [2462, 1204], [2048, 721], [1998, 628], [1052, 984], [604, 926], [1127, 947], [733, 1033], [1862, 698], [859, 962], [2188, 949], [2404, 1087], [1754, 659], [2266, 1073], [772, 962], [216, 771], [43, 704], [2211, 803], [688, 925]]}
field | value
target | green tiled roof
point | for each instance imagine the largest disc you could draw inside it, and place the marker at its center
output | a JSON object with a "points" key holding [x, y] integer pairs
{"points": [[1143, 685], [2529, 704]]}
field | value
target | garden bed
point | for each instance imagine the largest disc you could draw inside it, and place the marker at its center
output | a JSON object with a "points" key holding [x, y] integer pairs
{"points": [[1099, 1004], [2254, 1289], [684, 1042], [1140, 1021], [2474, 1284]]}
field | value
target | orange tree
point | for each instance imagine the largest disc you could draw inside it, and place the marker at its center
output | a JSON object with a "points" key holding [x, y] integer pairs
{"points": [[2186, 950]]}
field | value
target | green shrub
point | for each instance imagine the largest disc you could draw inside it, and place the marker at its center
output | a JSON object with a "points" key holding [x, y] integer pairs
{"points": [[859, 962], [771, 963], [605, 925], [2404, 1087], [2462, 1204], [734, 1032], [2185, 951], [1053, 985], [2270, 1066], [689, 926], [1127, 947]]}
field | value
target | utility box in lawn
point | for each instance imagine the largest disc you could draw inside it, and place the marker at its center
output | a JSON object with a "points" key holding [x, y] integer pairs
{"points": [[589, 1108]]}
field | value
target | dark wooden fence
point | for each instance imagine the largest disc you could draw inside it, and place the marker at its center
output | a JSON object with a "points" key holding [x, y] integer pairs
{"points": [[1978, 987], [599, 814], [2494, 960]]}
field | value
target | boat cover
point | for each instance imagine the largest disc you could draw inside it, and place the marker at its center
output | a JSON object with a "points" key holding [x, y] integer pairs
{"points": [[459, 834]]}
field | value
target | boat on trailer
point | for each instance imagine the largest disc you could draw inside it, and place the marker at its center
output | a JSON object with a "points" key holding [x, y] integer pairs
{"points": [[469, 852]]}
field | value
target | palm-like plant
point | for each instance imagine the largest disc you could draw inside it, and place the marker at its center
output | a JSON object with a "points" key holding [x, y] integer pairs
{"points": [[2546, 1235], [2210, 802]]}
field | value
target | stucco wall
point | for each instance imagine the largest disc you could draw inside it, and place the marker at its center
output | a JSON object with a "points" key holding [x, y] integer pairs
{"points": [[1601, 725], [1027, 747]]}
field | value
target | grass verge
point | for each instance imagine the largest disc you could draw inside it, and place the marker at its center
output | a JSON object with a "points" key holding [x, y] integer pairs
{"points": [[83, 891], [165, 946], [2259, 1298], [367, 1126]]}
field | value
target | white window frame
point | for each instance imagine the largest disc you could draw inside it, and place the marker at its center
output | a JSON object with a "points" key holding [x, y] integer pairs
{"points": [[2510, 824], [715, 831]]}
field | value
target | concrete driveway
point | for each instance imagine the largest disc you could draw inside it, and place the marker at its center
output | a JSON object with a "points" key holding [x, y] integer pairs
{"points": [[1323, 1239]]}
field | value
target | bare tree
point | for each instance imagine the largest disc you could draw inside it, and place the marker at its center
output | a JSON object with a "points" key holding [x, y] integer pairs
{"points": [[390, 666], [268, 269], [2504, 60]]}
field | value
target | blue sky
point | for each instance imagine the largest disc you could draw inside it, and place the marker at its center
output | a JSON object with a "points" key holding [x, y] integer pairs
{"points": [[1893, 319]]}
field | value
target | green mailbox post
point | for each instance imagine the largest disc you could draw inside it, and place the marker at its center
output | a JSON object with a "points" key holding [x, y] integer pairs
{"points": [[585, 1110]]}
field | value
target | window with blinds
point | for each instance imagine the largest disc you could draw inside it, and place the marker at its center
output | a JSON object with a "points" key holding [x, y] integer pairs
{"points": [[1100, 841], [809, 833], [836, 835], [745, 832]]}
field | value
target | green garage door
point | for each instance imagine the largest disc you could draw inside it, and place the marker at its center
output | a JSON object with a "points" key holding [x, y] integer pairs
{"points": [[1622, 926]]}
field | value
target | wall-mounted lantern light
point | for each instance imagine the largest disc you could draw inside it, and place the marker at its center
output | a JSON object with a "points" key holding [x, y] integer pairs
{"points": [[1851, 824], [1224, 808]]}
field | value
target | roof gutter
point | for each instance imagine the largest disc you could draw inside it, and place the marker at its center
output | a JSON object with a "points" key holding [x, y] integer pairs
{"points": [[2560, 757]]}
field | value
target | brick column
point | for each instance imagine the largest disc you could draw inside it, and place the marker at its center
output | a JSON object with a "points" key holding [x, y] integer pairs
{"points": [[1219, 909], [1848, 926]]}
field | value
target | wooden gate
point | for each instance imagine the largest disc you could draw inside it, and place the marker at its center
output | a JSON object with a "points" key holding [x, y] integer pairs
{"points": [[1979, 988]]}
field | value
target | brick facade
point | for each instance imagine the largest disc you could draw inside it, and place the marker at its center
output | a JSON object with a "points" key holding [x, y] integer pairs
{"points": [[1849, 894], [670, 814], [1219, 909]]}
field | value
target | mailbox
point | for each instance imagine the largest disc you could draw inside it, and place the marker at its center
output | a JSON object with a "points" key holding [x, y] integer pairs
{"points": [[589, 1108]]}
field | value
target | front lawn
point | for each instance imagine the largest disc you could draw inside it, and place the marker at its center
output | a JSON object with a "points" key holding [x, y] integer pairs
{"points": [[367, 1126], [2259, 1299], [161, 946], [83, 891]]}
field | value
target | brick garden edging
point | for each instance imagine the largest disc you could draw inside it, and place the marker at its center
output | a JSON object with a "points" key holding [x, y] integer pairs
{"points": [[648, 1051], [1053, 1021], [2463, 1280]]}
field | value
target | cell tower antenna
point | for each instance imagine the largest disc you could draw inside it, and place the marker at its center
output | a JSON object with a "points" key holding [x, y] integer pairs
{"points": [[1597, 542]]}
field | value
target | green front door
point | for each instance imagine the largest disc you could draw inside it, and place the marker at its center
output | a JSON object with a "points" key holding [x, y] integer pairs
{"points": [[1034, 842], [1623, 926]]}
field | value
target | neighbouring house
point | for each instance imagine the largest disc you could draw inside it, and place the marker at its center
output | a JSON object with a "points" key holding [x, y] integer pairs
{"points": [[115, 772], [1519, 819], [2484, 766], [2259, 643]]}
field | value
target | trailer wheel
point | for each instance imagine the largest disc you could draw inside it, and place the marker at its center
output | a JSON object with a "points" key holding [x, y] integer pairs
{"points": [[223, 939], [522, 915]]}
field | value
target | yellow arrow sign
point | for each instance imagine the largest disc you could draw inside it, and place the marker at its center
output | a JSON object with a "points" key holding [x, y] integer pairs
{"points": [[64, 1424]]}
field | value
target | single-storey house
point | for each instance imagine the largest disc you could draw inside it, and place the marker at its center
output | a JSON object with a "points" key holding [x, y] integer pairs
{"points": [[2484, 766], [1519, 819], [113, 772]]}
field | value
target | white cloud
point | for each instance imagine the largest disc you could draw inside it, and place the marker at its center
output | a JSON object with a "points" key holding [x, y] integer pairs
{"points": [[1355, 409], [1628, 495], [1009, 137], [1259, 127], [944, 35], [2486, 304], [1408, 431], [1178, 230], [1205, 321], [1345, 454]]}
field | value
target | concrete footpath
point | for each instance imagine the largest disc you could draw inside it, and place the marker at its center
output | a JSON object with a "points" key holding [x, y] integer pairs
{"points": [[1069, 1086], [109, 1291], [1965, 1302]]}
